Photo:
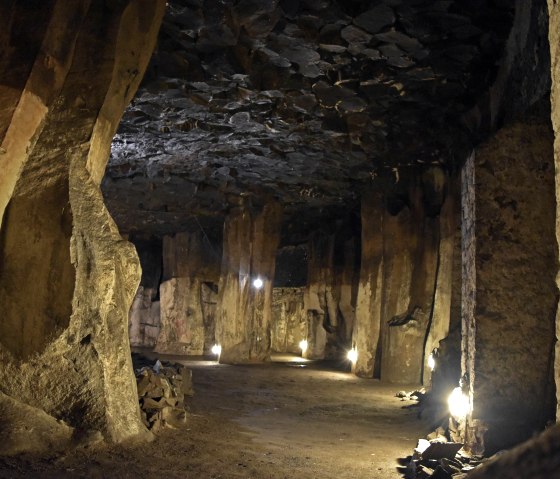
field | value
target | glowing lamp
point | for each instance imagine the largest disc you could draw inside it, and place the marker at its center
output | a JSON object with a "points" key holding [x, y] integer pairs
{"points": [[303, 345], [258, 283], [431, 362], [459, 404], [352, 355], [216, 349]]}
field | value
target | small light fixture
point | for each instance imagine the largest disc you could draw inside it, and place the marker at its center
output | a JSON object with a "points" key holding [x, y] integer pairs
{"points": [[431, 362], [258, 283], [459, 404], [352, 355], [217, 350], [303, 345]]}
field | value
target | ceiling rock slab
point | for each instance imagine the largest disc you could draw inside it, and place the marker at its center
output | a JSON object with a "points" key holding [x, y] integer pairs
{"points": [[300, 100]]}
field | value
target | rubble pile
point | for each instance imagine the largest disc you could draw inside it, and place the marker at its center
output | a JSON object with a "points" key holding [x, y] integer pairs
{"points": [[417, 395], [161, 392], [437, 458]]}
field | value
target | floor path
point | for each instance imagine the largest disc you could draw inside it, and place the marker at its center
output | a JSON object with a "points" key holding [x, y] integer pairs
{"points": [[288, 419]]}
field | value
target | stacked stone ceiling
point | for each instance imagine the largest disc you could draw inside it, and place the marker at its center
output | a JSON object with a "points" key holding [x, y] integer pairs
{"points": [[305, 101]]}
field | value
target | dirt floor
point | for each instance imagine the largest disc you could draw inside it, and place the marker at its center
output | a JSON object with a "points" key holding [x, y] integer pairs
{"points": [[288, 419]]}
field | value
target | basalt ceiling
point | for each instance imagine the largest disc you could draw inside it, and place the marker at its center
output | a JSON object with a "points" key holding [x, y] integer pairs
{"points": [[304, 101]]}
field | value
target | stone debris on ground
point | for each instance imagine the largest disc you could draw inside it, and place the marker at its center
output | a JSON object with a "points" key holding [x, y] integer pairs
{"points": [[162, 388], [416, 395], [438, 458]]}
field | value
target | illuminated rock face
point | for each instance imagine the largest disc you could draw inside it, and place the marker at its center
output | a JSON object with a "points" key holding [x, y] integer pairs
{"points": [[330, 294], [67, 276], [244, 312], [289, 325], [509, 269], [404, 297], [187, 294]]}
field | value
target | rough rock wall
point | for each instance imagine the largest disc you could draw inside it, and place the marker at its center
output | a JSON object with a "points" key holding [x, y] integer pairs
{"points": [[64, 346], [367, 326], [330, 294], [181, 327], [404, 298], [190, 273], [403, 352], [320, 304], [289, 320], [143, 318], [554, 40], [243, 313], [441, 320], [398, 251], [510, 297], [538, 458]]}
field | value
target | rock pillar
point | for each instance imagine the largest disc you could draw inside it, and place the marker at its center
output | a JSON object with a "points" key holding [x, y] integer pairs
{"points": [[289, 320], [369, 301], [509, 292], [403, 353], [190, 268], [441, 311], [319, 301], [67, 277], [243, 313]]}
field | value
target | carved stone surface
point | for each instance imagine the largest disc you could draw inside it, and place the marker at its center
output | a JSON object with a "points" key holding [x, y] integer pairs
{"points": [[243, 312], [510, 265], [289, 320], [64, 346]]}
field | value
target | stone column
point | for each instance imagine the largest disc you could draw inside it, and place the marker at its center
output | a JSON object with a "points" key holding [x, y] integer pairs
{"points": [[398, 250], [188, 262], [441, 311], [554, 40], [289, 320], [244, 312], [509, 292], [319, 301], [369, 301], [68, 278]]}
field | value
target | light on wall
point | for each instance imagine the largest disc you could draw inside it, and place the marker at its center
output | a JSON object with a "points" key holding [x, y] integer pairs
{"points": [[459, 404], [258, 283], [431, 362], [217, 350], [303, 345], [352, 355]]}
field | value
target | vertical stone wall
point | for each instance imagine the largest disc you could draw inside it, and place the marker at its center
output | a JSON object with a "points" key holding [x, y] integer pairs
{"points": [[406, 284], [190, 269], [320, 303], [143, 318], [243, 314], [367, 326], [398, 251], [64, 349], [331, 291], [554, 40], [509, 295], [441, 313], [289, 320]]}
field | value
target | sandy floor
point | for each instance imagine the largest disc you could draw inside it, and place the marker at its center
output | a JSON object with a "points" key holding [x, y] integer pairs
{"points": [[284, 420]]}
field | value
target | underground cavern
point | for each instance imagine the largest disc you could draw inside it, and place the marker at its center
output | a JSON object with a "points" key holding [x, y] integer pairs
{"points": [[279, 238]]}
